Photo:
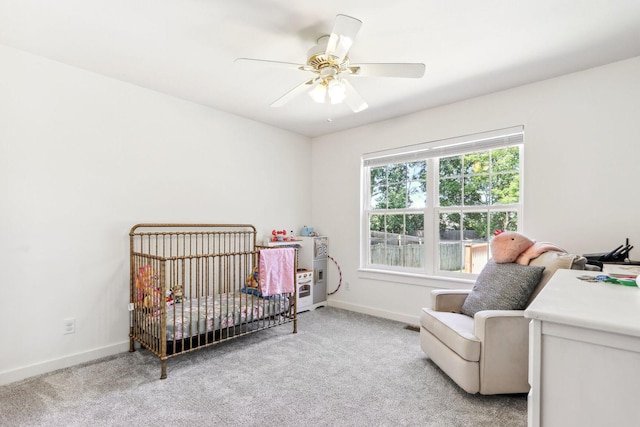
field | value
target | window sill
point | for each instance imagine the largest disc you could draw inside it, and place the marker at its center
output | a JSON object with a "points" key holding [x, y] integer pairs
{"points": [[416, 279]]}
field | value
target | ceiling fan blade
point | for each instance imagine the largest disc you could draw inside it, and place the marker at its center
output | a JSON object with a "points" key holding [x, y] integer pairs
{"points": [[410, 70], [353, 98], [342, 36], [301, 88], [279, 64]]}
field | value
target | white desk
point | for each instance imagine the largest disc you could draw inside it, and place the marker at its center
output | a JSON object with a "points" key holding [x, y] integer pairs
{"points": [[584, 353]]}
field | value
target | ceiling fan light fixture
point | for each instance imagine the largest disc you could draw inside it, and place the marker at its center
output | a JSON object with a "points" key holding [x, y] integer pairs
{"points": [[319, 93], [336, 90]]}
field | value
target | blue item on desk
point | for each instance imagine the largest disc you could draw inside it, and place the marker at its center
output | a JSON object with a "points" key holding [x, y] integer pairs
{"points": [[306, 231]]}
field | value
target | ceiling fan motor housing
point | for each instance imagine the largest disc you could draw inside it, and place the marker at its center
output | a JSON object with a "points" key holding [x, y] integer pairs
{"points": [[319, 60]]}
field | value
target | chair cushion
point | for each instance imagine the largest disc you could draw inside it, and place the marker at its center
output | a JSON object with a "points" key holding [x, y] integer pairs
{"points": [[454, 330], [506, 286], [466, 374]]}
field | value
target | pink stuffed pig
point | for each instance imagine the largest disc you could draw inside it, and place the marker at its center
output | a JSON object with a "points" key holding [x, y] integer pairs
{"points": [[506, 246], [510, 246]]}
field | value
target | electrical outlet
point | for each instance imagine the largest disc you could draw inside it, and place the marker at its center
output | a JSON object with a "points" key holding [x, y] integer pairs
{"points": [[69, 326], [346, 286]]}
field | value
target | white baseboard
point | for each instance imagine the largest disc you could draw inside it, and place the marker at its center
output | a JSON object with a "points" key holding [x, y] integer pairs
{"points": [[14, 375], [398, 317]]}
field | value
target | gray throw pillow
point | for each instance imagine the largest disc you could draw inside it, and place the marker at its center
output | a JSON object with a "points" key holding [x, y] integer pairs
{"points": [[502, 287]]}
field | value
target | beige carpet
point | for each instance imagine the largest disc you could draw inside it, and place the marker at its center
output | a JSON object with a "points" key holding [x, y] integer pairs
{"points": [[340, 369]]}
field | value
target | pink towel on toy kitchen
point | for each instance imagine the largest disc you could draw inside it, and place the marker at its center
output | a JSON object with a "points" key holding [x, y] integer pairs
{"points": [[276, 271]]}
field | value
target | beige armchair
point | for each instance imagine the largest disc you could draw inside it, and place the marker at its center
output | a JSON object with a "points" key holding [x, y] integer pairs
{"points": [[487, 353]]}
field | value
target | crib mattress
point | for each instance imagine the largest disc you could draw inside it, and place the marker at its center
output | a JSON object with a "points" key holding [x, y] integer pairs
{"points": [[206, 314]]}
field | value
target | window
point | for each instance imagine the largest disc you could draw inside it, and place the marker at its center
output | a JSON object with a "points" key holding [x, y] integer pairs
{"points": [[432, 208]]}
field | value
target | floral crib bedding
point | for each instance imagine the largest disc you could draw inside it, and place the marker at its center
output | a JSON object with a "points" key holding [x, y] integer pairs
{"points": [[206, 314]]}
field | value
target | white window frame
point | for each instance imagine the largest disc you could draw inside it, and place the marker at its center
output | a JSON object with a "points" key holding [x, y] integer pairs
{"points": [[432, 152]]}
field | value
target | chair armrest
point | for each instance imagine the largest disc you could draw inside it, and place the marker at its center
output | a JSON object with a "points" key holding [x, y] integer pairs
{"points": [[449, 300], [505, 350], [486, 320]]}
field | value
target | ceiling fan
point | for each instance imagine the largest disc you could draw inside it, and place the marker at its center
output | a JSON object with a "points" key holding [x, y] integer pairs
{"points": [[329, 62]]}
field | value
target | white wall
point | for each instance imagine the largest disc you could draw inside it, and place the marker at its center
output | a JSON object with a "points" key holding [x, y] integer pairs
{"points": [[82, 159], [582, 152]]}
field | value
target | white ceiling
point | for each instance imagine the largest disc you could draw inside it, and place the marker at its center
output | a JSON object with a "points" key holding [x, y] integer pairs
{"points": [[186, 48]]}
